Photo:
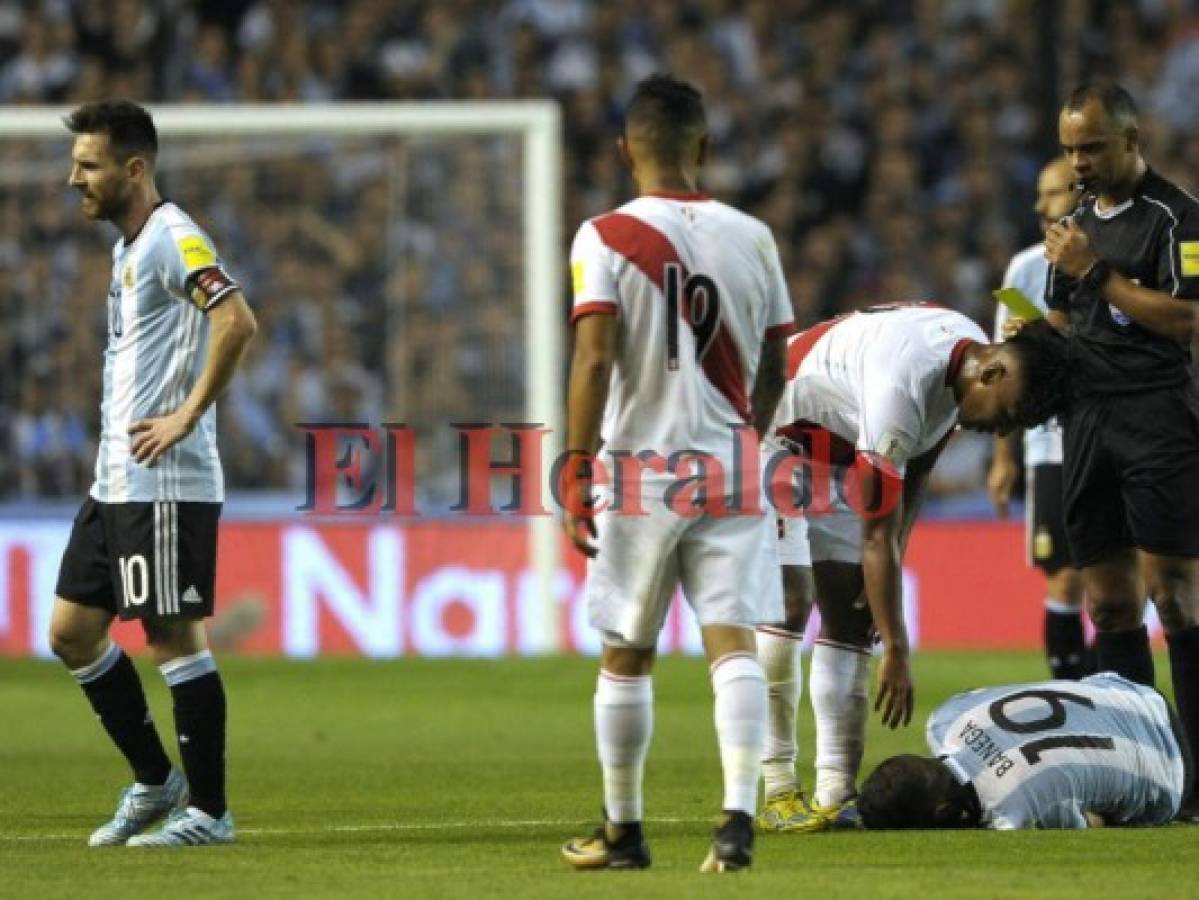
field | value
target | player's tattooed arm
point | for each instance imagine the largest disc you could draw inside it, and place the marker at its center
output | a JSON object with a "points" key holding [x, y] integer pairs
{"points": [[769, 383], [232, 327]]}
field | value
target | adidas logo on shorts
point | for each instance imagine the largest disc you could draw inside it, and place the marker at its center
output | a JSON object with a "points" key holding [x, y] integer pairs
{"points": [[191, 595]]}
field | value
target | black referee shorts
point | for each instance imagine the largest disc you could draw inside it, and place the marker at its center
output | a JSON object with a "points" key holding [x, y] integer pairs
{"points": [[142, 560], [1132, 475], [1044, 527]]}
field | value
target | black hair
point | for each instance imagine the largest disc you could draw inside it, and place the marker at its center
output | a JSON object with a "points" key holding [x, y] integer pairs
{"points": [[1044, 355], [916, 792], [667, 111], [130, 129], [1116, 102]]}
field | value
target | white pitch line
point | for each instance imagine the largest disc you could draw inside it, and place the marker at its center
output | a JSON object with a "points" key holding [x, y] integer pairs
{"points": [[379, 826]]}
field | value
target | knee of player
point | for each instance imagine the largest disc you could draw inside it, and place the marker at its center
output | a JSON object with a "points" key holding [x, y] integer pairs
{"points": [[1113, 611], [1173, 596], [1065, 585], [797, 598], [846, 625], [75, 648], [170, 640]]}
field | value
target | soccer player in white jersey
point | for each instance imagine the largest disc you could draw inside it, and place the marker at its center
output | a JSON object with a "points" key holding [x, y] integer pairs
{"points": [[680, 315], [1065, 644], [871, 399], [143, 545], [1054, 754]]}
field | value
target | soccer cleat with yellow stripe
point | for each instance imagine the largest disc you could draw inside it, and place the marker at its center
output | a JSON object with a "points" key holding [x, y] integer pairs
{"points": [[835, 817], [783, 811]]}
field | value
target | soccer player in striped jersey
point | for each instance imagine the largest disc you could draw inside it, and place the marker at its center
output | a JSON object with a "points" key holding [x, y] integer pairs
{"points": [[872, 397], [143, 545], [680, 315], [1054, 754], [1065, 645]]}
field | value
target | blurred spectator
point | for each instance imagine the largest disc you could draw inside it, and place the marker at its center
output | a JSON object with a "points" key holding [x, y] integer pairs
{"points": [[891, 147]]}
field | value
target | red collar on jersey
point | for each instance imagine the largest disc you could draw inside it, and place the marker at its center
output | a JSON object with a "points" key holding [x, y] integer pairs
{"points": [[956, 357], [676, 195]]}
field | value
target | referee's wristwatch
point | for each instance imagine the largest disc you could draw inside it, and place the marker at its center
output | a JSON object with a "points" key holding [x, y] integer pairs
{"points": [[1096, 277]]}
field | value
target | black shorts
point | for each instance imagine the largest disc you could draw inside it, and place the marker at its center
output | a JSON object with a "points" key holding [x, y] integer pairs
{"points": [[1132, 475], [142, 560], [1044, 529]]}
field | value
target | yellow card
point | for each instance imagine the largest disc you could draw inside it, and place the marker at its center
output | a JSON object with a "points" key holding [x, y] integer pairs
{"points": [[1018, 304]]}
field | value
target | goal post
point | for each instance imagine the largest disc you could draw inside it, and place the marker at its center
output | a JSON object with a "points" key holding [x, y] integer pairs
{"points": [[537, 125]]}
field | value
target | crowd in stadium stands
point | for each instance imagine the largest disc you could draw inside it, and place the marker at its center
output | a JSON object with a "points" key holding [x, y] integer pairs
{"points": [[892, 147]]}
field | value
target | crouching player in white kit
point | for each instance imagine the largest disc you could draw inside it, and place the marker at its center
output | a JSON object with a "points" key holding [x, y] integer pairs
{"points": [[681, 314], [1056, 754], [873, 396]]}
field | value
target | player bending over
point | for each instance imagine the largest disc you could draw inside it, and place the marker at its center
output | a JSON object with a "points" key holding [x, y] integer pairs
{"points": [[1054, 754], [681, 314], [885, 387]]}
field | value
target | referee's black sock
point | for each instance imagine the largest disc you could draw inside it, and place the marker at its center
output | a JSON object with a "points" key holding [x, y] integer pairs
{"points": [[116, 694], [1065, 644], [1126, 653], [1184, 672], [200, 726]]}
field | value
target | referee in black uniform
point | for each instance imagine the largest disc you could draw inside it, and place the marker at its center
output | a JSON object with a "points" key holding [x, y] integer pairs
{"points": [[1124, 280]]}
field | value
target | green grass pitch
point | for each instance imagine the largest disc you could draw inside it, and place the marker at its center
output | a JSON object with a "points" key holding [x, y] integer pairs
{"points": [[425, 778]]}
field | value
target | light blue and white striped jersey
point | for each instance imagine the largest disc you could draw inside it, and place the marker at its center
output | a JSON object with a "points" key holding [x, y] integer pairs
{"points": [[1028, 271], [1042, 755], [163, 281]]}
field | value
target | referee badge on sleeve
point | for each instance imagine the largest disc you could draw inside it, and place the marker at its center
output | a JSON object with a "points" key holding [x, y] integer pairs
{"points": [[1188, 254], [1042, 545]]}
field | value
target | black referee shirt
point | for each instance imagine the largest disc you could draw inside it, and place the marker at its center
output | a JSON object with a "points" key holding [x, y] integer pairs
{"points": [[1153, 240]]}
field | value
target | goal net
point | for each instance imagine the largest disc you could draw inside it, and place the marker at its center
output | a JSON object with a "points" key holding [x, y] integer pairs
{"points": [[405, 265]]}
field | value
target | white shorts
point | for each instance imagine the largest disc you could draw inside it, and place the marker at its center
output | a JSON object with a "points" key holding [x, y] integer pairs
{"points": [[728, 568], [833, 535]]}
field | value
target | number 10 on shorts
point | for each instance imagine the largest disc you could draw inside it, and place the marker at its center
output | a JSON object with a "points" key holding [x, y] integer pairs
{"points": [[135, 579]]}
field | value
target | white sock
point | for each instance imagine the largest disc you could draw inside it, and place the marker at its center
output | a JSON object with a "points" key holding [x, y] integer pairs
{"points": [[838, 685], [624, 723], [740, 688], [779, 651]]}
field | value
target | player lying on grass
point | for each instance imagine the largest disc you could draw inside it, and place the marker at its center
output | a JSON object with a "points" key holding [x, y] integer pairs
{"points": [[874, 394], [1055, 754]]}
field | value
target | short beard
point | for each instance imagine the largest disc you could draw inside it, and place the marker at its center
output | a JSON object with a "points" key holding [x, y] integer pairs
{"points": [[112, 210]]}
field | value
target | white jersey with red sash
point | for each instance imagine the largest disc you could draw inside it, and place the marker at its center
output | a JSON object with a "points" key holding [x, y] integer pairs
{"points": [[881, 379], [697, 286]]}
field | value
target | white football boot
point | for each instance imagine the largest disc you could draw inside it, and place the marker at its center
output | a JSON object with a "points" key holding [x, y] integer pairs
{"points": [[189, 827], [140, 806]]}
